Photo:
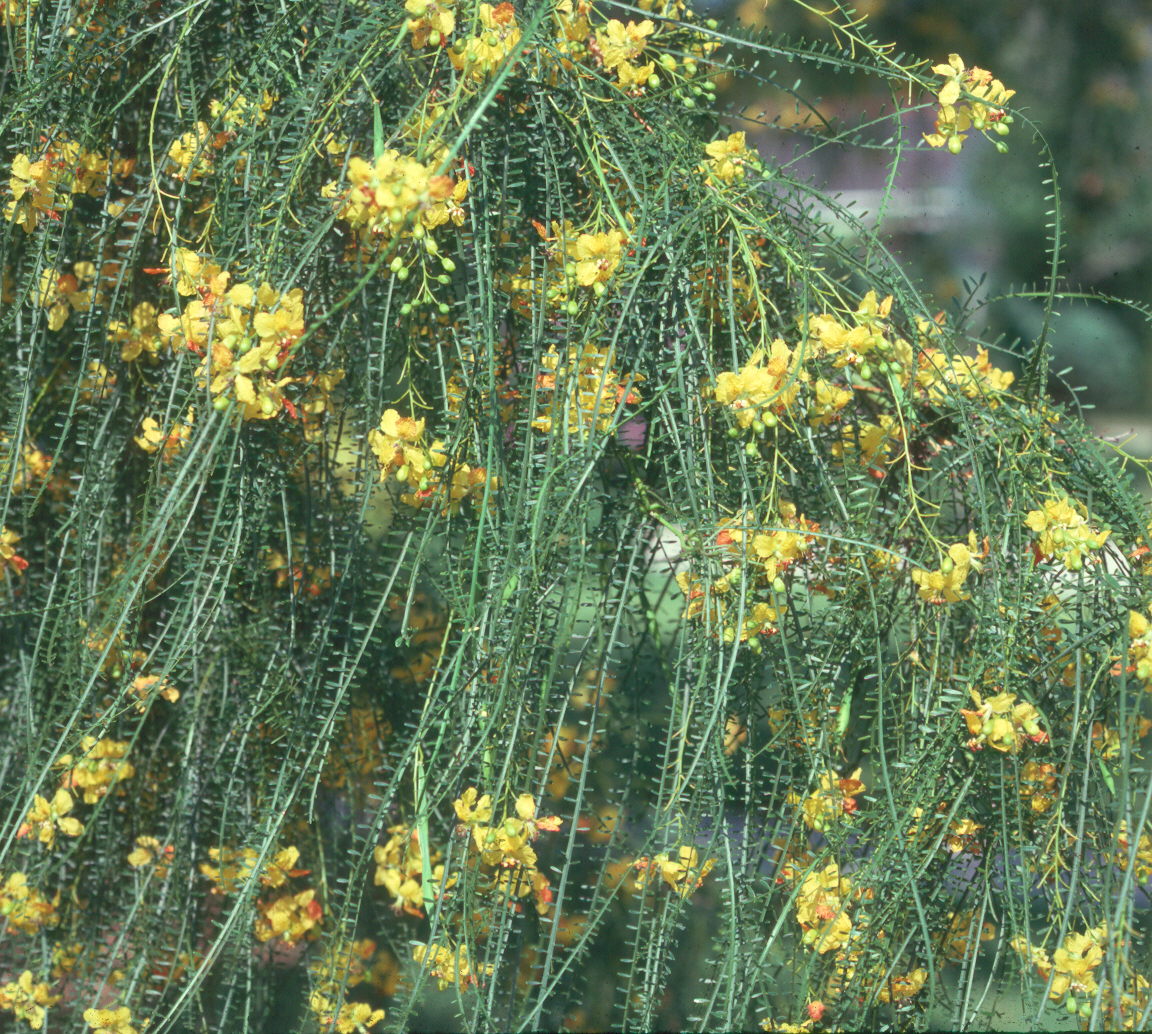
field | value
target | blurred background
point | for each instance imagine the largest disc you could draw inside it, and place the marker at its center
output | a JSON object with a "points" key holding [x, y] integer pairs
{"points": [[973, 226]]}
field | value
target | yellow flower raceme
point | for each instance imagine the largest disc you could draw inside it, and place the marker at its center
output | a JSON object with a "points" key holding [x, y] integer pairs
{"points": [[450, 966], [970, 98], [292, 917], [191, 155], [767, 384], [1064, 532], [9, 558], [822, 909], [938, 376], [45, 818], [946, 583], [110, 1021], [65, 293], [44, 188], [682, 869], [727, 160], [27, 1000], [99, 768], [1001, 723], [24, 907], [1072, 964], [831, 802], [480, 55], [431, 22], [584, 394]]}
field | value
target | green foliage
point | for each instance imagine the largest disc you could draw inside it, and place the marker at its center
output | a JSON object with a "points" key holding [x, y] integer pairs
{"points": [[477, 547]]}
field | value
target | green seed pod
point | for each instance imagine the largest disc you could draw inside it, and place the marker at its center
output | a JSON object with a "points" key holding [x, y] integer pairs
{"points": [[443, 278], [444, 308], [758, 427], [267, 406], [396, 264], [865, 371], [733, 432], [406, 309], [653, 82], [572, 307], [751, 449], [402, 473], [955, 144], [402, 273], [448, 265], [778, 584], [220, 403]]}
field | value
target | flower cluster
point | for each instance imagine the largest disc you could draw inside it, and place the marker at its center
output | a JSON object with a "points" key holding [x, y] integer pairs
{"points": [[505, 850], [397, 197], [766, 385], [1064, 532], [584, 394], [822, 909], [681, 870], [728, 159], [47, 817], [44, 188], [970, 98], [1001, 723], [1071, 967], [833, 800], [400, 869], [27, 1000], [451, 966], [496, 37], [426, 470], [24, 907], [946, 583], [98, 768], [245, 334]]}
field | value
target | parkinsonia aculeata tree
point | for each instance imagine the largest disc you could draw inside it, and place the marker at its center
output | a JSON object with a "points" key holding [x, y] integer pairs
{"points": [[480, 551]]}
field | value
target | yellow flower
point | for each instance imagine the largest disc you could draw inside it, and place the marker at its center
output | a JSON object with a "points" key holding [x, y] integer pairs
{"points": [[110, 1021], [26, 1000], [479, 56], [768, 382], [945, 585], [150, 851], [139, 337], [99, 768], [619, 43], [24, 907], [8, 555], [727, 159], [353, 1018], [596, 256], [822, 910], [1065, 534], [832, 800], [449, 965], [45, 817], [970, 98], [64, 293], [292, 917], [432, 21], [681, 870], [240, 111], [152, 438], [190, 156], [1001, 723], [896, 989]]}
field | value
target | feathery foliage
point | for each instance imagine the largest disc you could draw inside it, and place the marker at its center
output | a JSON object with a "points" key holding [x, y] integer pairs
{"points": [[480, 553]]}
